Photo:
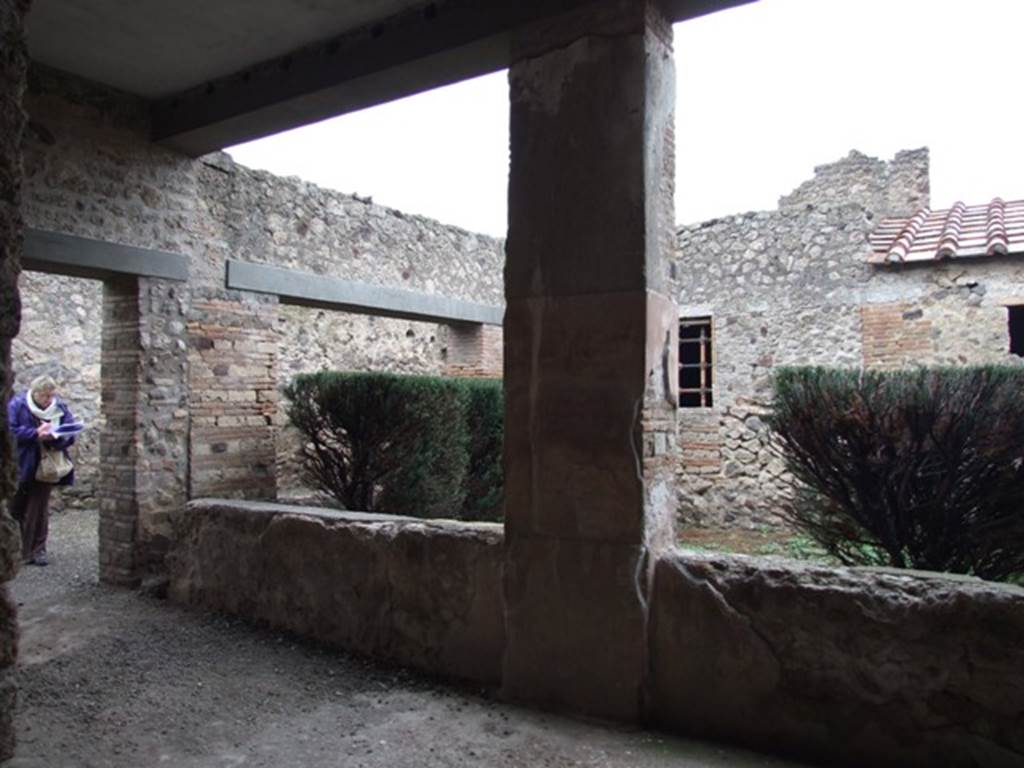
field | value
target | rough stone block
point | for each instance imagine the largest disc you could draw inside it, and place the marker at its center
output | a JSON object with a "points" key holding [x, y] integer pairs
{"points": [[595, 247], [574, 392], [426, 594], [8, 628], [8, 702], [575, 613], [849, 666], [10, 545]]}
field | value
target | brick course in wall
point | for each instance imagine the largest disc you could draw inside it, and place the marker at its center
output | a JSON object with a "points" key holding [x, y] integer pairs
{"points": [[474, 351], [896, 334], [233, 356]]}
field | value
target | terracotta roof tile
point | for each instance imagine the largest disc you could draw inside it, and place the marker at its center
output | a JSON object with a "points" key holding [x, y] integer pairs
{"points": [[963, 231]]}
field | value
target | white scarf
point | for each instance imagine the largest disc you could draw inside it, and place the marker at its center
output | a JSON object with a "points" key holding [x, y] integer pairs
{"points": [[51, 414]]}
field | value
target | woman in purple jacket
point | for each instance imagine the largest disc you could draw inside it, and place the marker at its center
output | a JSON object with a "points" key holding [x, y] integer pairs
{"points": [[33, 415]]}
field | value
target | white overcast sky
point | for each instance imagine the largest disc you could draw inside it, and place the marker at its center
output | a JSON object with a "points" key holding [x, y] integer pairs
{"points": [[765, 92]]}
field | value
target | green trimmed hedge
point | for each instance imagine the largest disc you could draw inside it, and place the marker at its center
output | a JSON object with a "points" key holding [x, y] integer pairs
{"points": [[409, 445], [485, 426], [916, 468]]}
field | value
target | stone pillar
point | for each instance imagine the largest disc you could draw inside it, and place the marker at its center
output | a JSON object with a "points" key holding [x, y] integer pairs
{"points": [[590, 349], [144, 444], [120, 377], [233, 382], [13, 60]]}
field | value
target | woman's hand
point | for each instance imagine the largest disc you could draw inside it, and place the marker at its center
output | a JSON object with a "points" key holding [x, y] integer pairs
{"points": [[43, 433]]}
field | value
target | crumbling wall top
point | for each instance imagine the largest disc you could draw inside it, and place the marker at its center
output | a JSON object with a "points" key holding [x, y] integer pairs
{"points": [[885, 188]]}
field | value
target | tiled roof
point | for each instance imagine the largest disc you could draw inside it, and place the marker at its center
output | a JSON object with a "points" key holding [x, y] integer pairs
{"points": [[995, 229]]}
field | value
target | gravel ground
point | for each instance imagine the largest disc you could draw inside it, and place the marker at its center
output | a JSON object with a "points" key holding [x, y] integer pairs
{"points": [[112, 678]]}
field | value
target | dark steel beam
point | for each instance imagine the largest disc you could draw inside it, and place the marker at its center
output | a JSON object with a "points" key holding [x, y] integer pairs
{"points": [[432, 45], [62, 254]]}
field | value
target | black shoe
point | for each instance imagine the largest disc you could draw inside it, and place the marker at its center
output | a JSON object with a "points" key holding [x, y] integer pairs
{"points": [[40, 559]]}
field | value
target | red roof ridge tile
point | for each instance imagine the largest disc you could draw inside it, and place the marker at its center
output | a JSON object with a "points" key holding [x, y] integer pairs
{"points": [[960, 231], [949, 240], [996, 240]]}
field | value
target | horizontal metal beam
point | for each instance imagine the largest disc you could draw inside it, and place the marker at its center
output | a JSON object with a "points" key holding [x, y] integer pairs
{"points": [[432, 45], [75, 256], [312, 290]]}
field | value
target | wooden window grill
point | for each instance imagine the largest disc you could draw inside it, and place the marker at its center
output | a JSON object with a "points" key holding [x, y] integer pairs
{"points": [[696, 363]]}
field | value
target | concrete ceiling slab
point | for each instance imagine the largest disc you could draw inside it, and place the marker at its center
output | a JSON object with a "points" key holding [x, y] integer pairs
{"points": [[220, 72], [154, 48]]}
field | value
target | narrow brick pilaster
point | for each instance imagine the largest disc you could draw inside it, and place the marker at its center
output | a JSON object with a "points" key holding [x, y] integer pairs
{"points": [[233, 362], [474, 351], [121, 377]]}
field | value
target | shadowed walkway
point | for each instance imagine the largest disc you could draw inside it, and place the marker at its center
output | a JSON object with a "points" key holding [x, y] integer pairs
{"points": [[112, 678]]}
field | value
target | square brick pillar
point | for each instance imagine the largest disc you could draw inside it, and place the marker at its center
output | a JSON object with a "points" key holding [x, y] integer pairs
{"points": [[590, 354], [144, 443]]}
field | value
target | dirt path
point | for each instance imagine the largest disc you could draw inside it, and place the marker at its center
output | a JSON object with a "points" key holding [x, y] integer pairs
{"points": [[111, 678]]}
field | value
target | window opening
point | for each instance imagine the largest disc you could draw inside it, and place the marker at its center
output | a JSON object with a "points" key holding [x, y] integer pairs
{"points": [[1015, 323], [696, 363]]}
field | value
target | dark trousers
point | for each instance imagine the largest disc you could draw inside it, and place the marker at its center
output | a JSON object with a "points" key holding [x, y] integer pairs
{"points": [[31, 508]]}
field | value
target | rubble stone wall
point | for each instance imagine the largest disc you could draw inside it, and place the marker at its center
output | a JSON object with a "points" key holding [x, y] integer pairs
{"points": [[92, 172], [60, 330], [792, 287], [13, 59], [846, 666]]}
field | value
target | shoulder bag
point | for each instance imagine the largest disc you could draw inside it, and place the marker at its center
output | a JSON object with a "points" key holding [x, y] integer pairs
{"points": [[54, 465]]}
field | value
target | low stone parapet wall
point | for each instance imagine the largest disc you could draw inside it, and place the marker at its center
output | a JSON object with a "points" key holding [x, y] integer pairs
{"points": [[853, 666], [848, 666], [426, 594]]}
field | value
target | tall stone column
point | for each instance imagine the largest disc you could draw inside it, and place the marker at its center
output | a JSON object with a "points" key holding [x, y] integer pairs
{"points": [[590, 350], [13, 59]]}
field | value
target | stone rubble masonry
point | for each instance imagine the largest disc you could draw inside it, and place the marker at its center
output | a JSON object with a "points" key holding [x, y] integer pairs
{"points": [[91, 171], [849, 666], [423, 594], [13, 60], [792, 287], [163, 416], [885, 188], [60, 336]]}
